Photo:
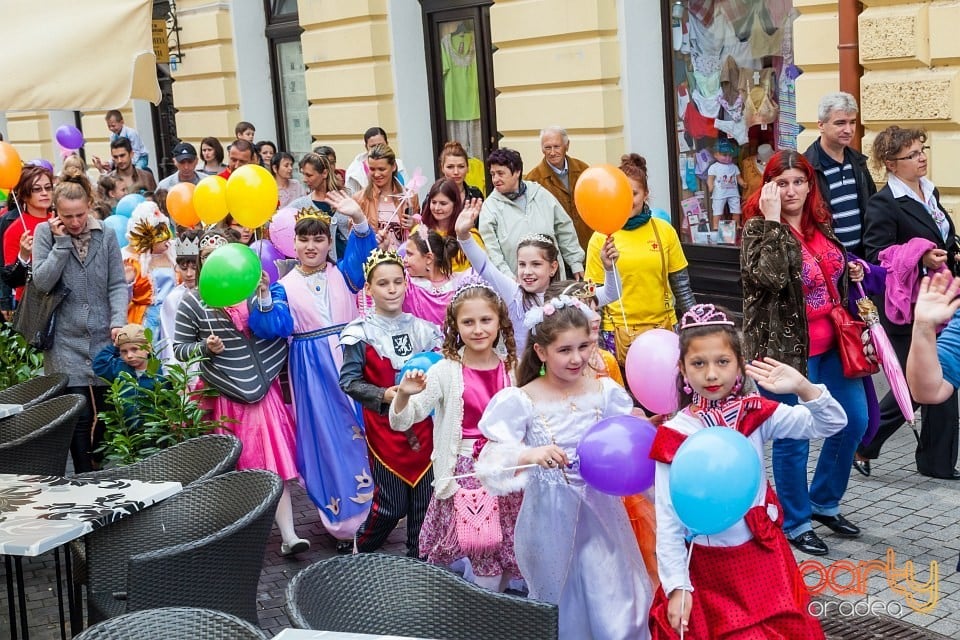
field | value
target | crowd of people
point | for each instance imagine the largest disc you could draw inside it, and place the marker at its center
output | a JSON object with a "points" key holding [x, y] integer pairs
{"points": [[528, 315]]}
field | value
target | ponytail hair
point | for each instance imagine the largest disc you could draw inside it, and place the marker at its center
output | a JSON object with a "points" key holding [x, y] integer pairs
{"points": [[443, 248], [73, 185]]}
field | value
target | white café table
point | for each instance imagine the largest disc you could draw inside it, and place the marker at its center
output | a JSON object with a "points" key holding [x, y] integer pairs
{"points": [[40, 513], [305, 634]]}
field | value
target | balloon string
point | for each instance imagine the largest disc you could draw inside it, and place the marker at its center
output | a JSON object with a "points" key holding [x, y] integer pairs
{"points": [[19, 209], [473, 474], [617, 279], [683, 592]]}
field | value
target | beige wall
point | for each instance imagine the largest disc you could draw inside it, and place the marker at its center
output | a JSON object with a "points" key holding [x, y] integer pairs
{"points": [[558, 63], [815, 39], [910, 52], [205, 85], [29, 132], [349, 78]]}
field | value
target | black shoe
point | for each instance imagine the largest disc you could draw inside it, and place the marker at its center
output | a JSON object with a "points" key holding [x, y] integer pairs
{"points": [[863, 466], [809, 542], [838, 524], [344, 547]]}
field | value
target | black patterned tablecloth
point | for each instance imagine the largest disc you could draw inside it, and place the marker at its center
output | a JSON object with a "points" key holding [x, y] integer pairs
{"points": [[39, 513]]}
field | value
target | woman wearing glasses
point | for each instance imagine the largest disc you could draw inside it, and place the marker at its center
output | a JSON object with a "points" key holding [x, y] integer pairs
{"points": [[907, 227], [34, 194], [794, 270]]}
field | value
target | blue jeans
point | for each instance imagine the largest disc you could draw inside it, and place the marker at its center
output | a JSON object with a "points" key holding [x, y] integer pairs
{"points": [[836, 455]]}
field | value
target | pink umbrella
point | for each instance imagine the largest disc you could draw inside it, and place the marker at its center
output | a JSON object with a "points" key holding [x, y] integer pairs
{"points": [[887, 356]]}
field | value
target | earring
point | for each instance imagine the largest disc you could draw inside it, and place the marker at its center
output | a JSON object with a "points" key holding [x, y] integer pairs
{"points": [[686, 387], [737, 386], [543, 369]]}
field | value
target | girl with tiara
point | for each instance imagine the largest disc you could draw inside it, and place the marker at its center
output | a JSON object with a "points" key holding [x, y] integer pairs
{"points": [[538, 265], [243, 367], [375, 348], [318, 300], [149, 261], [573, 544], [741, 582], [463, 520]]}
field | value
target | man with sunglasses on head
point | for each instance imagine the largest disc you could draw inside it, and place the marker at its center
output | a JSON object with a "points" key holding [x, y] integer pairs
{"points": [[842, 175]]}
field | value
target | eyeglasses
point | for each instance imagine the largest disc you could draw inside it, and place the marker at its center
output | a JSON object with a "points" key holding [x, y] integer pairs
{"points": [[38, 188], [797, 183], [913, 155]]}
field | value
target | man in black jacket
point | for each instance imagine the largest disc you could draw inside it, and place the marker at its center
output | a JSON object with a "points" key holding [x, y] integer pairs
{"points": [[842, 176]]}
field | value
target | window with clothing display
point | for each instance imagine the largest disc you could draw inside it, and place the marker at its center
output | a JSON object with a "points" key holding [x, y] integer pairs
{"points": [[461, 79], [734, 105]]}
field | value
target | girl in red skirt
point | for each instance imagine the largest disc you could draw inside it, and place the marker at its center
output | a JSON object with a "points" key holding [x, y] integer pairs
{"points": [[743, 582]]}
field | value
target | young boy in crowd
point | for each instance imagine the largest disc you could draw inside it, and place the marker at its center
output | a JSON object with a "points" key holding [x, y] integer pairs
{"points": [[130, 352], [245, 131]]}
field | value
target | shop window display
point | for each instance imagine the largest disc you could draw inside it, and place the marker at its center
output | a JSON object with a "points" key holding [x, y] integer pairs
{"points": [[733, 81]]}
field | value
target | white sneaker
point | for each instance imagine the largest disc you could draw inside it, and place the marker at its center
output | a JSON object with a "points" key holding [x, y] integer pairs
{"points": [[297, 546]]}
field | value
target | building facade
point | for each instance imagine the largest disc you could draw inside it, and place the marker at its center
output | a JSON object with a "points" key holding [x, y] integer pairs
{"points": [[661, 77]]}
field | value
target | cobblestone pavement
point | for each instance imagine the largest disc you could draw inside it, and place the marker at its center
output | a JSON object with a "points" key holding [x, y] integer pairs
{"points": [[897, 509]]}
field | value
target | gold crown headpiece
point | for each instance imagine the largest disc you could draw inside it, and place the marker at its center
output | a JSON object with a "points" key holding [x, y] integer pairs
{"points": [[312, 213], [584, 290], [378, 257]]}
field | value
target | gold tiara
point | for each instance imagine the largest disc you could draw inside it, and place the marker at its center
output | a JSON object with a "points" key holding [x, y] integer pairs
{"points": [[312, 213], [378, 257]]}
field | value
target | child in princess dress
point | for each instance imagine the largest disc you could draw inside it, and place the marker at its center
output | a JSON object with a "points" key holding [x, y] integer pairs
{"points": [[574, 544], [742, 582]]}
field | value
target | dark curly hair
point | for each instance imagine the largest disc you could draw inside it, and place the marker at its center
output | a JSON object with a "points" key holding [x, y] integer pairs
{"points": [[451, 335], [506, 158]]}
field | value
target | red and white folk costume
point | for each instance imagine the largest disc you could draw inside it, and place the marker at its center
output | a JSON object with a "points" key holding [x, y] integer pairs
{"points": [[744, 580]]}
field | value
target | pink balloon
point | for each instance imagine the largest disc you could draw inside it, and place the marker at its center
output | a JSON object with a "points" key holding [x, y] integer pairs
{"points": [[282, 232], [652, 369]]}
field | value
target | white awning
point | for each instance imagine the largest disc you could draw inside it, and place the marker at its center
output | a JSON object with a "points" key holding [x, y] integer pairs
{"points": [[76, 55]]}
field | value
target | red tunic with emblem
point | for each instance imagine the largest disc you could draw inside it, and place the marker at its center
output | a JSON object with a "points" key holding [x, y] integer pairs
{"points": [[745, 580]]}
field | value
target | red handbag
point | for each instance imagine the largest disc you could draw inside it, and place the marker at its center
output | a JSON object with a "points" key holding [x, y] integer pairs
{"points": [[850, 333]]}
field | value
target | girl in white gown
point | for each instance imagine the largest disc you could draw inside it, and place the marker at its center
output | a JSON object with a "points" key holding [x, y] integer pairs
{"points": [[574, 545]]}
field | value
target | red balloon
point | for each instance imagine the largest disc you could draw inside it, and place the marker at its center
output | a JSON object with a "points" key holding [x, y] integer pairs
{"points": [[604, 198]]}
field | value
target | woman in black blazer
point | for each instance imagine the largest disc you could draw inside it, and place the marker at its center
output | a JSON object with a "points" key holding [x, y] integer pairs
{"points": [[909, 207]]}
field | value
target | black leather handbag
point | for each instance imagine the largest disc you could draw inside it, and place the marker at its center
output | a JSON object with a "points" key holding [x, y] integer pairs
{"points": [[36, 315]]}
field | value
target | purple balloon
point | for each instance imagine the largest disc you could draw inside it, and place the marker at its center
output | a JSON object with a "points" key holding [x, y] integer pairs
{"points": [[615, 455], [69, 137], [268, 255], [40, 162]]}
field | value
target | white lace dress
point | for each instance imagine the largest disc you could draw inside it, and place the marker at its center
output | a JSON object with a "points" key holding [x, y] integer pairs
{"points": [[574, 545]]}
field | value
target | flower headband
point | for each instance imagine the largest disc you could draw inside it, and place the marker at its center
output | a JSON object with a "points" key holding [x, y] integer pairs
{"points": [[702, 315], [536, 315]]}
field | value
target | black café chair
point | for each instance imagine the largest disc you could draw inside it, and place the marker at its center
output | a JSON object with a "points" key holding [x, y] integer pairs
{"points": [[394, 595], [202, 547], [34, 390], [37, 440], [174, 623]]}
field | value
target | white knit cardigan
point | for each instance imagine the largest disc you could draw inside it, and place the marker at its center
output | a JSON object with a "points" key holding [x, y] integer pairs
{"points": [[443, 395]]}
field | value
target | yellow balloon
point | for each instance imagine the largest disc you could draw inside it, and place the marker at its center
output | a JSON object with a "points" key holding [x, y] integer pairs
{"points": [[210, 199], [252, 195]]}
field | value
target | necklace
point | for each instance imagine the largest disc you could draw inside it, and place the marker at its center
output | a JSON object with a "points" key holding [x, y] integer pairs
{"points": [[309, 272]]}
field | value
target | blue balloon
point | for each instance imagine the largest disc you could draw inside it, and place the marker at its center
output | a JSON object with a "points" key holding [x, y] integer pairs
{"points": [[118, 224], [660, 213], [422, 361], [714, 480], [128, 203]]}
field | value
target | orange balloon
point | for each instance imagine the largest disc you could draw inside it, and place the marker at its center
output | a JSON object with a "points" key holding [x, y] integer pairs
{"points": [[604, 198], [10, 165], [180, 204]]}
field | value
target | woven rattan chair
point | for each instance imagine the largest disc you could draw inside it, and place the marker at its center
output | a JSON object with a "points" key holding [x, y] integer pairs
{"points": [[186, 462], [174, 623], [385, 594], [37, 440], [34, 390], [202, 547]]}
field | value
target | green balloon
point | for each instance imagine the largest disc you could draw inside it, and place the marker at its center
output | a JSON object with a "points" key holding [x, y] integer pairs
{"points": [[229, 275]]}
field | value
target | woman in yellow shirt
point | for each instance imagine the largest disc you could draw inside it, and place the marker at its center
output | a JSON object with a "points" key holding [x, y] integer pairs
{"points": [[657, 287]]}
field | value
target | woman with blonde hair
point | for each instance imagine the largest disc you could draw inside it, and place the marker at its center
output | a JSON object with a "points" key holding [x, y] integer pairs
{"points": [[383, 200]]}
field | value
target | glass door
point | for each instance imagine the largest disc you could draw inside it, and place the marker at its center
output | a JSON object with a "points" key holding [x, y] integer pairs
{"points": [[461, 82]]}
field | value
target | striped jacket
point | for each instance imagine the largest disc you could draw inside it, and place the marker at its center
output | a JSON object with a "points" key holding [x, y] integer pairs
{"points": [[244, 369]]}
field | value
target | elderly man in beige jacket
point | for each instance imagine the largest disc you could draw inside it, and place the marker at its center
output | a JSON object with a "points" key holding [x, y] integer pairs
{"points": [[558, 173]]}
